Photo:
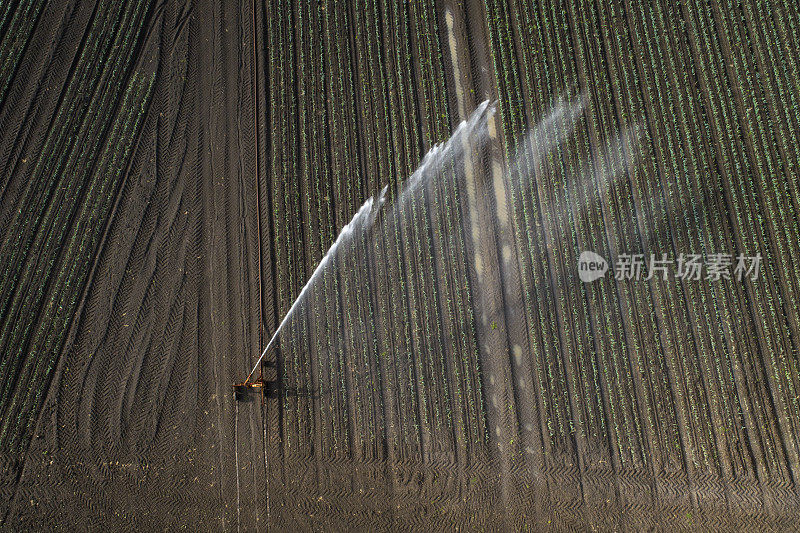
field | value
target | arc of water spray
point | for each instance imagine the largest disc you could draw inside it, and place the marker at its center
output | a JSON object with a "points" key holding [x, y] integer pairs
{"points": [[473, 130], [540, 140]]}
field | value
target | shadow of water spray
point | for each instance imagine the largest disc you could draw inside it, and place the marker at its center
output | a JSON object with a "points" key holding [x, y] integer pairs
{"points": [[468, 135]]}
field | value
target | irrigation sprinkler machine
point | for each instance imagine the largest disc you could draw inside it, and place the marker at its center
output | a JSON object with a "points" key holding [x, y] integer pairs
{"points": [[267, 386]]}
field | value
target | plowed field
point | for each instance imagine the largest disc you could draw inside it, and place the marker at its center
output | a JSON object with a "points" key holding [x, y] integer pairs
{"points": [[172, 172]]}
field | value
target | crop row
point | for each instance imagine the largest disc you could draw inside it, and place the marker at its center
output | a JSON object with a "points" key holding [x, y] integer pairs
{"points": [[381, 318], [709, 168], [16, 26], [52, 279]]}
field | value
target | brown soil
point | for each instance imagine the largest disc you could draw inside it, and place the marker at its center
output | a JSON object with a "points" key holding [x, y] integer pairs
{"points": [[218, 206]]}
